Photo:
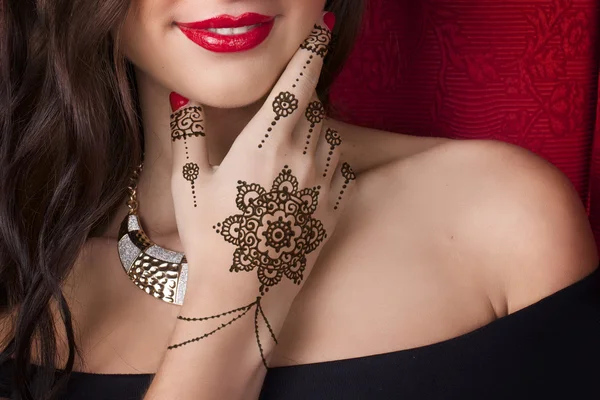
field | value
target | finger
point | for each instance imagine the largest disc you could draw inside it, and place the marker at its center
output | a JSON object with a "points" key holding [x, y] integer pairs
{"points": [[328, 152], [308, 130], [293, 91], [342, 184], [190, 155]]}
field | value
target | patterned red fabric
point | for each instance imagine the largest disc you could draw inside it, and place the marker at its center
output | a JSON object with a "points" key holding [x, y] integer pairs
{"points": [[524, 72]]}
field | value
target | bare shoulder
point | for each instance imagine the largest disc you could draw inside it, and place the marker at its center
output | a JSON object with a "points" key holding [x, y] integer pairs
{"points": [[440, 238], [502, 211], [516, 216]]}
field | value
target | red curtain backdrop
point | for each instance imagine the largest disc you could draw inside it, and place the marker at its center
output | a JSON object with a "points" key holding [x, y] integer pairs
{"points": [[524, 72]]}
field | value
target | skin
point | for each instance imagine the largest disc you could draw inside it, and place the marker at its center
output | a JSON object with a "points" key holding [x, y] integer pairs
{"points": [[440, 237]]}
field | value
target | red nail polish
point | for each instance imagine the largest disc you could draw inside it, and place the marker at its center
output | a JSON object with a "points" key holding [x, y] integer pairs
{"points": [[329, 19], [177, 101]]}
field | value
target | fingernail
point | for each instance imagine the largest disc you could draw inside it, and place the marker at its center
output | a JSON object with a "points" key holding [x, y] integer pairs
{"points": [[177, 101], [329, 19]]}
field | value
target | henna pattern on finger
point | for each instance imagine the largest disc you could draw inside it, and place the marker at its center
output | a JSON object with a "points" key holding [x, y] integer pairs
{"points": [[350, 176], [318, 43], [315, 113], [190, 174], [185, 123], [334, 139], [190, 171], [275, 231], [284, 105]]}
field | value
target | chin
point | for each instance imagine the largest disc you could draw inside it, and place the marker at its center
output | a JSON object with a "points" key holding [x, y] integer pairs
{"points": [[214, 83], [230, 93], [216, 90], [231, 81]]}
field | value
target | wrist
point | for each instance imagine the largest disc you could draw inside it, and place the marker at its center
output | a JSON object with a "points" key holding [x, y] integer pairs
{"points": [[246, 331], [226, 364], [212, 290], [225, 314]]}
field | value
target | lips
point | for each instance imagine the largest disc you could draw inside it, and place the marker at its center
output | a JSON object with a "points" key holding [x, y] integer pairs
{"points": [[252, 30]]}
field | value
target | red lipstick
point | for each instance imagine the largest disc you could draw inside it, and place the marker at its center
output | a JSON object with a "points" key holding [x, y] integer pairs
{"points": [[198, 32]]}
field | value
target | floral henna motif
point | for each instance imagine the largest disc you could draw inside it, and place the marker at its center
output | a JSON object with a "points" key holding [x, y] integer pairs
{"points": [[349, 175], [334, 140], [284, 105], [185, 123], [190, 174], [190, 171], [275, 231], [273, 234], [315, 113]]}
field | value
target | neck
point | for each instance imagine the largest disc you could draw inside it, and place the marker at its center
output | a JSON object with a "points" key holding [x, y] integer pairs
{"points": [[154, 187]]}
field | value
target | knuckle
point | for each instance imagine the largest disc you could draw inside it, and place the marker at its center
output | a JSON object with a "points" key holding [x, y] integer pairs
{"points": [[310, 80], [306, 175], [305, 87], [275, 152]]}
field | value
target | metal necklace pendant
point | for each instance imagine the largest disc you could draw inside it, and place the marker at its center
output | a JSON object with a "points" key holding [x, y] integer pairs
{"points": [[157, 271]]}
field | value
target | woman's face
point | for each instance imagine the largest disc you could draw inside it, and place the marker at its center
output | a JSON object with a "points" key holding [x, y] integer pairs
{"points": [[209, 67]]}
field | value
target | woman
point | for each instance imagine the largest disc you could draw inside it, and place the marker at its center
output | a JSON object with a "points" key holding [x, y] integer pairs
{"points": [[245, 191]]}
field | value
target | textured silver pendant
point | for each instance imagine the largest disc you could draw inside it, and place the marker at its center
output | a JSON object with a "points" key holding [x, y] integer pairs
{"points": [[157, 271]]}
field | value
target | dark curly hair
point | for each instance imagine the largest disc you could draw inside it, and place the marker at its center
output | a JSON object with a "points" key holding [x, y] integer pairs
{"points": [[70, 135]]}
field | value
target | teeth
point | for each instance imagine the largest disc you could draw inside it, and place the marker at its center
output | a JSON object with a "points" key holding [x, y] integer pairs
{"points": [[232, 31]]}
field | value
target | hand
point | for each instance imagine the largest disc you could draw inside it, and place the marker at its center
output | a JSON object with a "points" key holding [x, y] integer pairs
{"points": [[255, 224], [275, 199]]}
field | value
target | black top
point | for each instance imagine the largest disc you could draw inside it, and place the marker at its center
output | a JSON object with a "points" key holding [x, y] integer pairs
{"points": [[549, 350]]}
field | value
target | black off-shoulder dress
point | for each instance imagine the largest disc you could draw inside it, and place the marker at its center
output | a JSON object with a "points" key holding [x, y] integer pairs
{"points": [[549, 350]]}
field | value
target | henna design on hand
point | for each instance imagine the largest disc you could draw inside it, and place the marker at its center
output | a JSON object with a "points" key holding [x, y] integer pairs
{"points": [[334, 139], [275, 231], [315, 113], [284, 105], [185, 123], [243, 311], [256, 333], [262, 313], [349, 174], [240, 313], [201, 319], [273, 234], [318, 43], [259, 310], [190, 173]]}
